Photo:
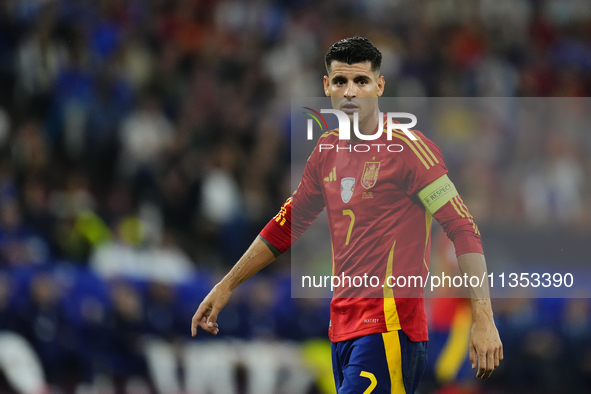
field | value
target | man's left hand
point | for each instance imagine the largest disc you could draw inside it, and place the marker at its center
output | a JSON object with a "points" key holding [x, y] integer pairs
{"points": [[485, 347]]}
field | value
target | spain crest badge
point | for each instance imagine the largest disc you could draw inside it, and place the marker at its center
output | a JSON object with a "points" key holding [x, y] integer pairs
{"points": [[370, 174]]}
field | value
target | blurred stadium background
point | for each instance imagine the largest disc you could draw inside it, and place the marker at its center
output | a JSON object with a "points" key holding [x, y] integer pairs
{"points": [[144, 144]]}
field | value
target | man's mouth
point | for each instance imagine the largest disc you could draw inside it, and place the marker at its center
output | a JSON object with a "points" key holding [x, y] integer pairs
{"points": [[349, 108]]}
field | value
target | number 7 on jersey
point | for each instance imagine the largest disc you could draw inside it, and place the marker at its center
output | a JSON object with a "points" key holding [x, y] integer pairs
{"points": [[348, 212]]}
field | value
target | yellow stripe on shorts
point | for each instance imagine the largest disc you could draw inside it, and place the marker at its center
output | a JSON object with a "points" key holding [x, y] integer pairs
{"points": [[394, 359]]}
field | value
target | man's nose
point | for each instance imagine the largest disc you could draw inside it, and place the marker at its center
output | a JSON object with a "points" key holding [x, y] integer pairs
{"points": [[351, 90]]}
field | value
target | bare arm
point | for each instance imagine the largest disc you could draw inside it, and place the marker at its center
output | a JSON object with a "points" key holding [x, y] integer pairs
{"points": [[485, 344], [260, 254]]}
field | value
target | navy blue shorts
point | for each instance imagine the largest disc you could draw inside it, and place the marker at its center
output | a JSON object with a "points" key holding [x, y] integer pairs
{"points": [[379, 364]]}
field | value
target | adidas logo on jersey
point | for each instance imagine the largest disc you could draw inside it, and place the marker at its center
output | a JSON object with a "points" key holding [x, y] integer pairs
{"points": [[332, 176]]}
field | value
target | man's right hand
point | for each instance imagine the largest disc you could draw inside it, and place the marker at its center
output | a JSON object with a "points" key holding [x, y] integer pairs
{"points": [[207, 313], [258, 256]]}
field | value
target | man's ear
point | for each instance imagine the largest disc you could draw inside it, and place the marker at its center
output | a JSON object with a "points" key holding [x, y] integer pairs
{"points": [[326, 91], [381, 85]]}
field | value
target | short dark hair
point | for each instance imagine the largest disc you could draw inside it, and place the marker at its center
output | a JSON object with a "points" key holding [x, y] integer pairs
{"points": [[354, 50]]}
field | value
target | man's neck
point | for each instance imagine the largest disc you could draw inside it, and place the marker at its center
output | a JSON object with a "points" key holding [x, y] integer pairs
{"points": [[367, 126]]}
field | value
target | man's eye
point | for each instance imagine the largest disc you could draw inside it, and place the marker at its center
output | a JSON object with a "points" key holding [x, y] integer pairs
{"points": [[340, 83], [363, 82]]}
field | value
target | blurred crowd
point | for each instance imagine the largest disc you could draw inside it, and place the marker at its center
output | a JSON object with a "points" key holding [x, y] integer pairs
{"points": [[67, 330], [165, 123], [148, 140]]}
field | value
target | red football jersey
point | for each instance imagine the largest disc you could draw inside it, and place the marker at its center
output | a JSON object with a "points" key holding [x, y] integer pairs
{"points": [[378, 226]]}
